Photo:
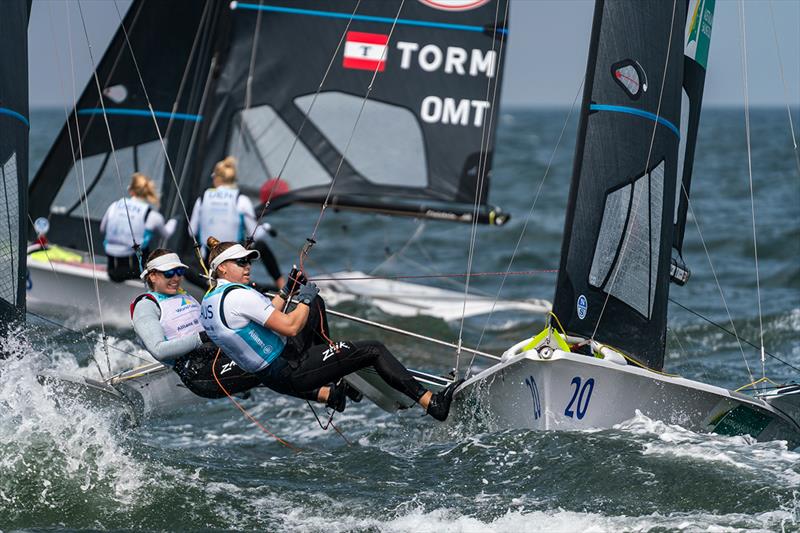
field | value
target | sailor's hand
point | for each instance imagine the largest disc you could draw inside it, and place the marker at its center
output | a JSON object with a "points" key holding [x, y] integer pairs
{"points": [[307, 293]]}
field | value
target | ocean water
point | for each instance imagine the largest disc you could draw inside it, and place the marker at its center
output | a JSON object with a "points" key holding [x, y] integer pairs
{"points": [[64, 465]]}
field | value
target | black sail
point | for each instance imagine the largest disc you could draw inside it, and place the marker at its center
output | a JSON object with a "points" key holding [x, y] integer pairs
{"points": [[14, 127], [613, 279], [420, 145], [173, 43]]}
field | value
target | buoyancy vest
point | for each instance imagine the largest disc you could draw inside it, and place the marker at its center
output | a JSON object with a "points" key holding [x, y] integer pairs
{"points": [[219, 215], [118, 241], [254, 346], [180, 313]]}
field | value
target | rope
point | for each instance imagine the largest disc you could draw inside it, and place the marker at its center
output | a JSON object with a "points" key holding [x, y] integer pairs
{"points": [[483, 158], [785, 88], [305, 117], [750, 175], [244, 411], [436, 276]]}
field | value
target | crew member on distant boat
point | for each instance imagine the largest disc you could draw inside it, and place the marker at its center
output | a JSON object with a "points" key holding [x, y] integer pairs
{"points": [[132, 221], [283, 349], [224, 211], [167, 321]]}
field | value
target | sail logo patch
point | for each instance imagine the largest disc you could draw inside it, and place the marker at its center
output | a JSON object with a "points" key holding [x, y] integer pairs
{"points": [[583, 306], [630, 76], [454, 5], [365, 51]]}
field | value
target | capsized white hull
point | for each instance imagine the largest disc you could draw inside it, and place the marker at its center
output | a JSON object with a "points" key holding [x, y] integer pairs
{"points": [[68, 290], [571, 391]]}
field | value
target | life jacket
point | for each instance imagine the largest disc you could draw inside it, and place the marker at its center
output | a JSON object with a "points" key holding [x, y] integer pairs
{"points": [[254, 346], [219, 215], [180, 313], [118, 241]]}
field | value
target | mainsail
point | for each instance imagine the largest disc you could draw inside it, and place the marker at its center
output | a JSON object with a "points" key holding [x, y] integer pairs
{"points": [[173, 44], [14, 127], [423, 140], [613, 281]]}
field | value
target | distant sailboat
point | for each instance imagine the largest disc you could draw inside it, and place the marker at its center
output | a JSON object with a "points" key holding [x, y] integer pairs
{"points": [[601, 358], [240, 79]]}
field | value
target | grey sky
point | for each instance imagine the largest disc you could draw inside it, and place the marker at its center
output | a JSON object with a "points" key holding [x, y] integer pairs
{"points": [[546, 50]]}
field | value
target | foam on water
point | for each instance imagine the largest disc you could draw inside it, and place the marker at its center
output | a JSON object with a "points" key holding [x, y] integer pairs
{"points": [[54, 449]]}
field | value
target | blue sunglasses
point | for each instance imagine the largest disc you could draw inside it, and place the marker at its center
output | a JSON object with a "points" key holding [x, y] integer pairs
{"points": [[169, 274]]}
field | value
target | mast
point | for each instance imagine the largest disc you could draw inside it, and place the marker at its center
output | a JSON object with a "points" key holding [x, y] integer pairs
{"points": [[172, 43], [14, 129], [613, 278], [417, 146]]}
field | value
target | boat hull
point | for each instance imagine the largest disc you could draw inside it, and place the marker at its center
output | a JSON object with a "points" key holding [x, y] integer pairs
{"points": [[572, 392]]}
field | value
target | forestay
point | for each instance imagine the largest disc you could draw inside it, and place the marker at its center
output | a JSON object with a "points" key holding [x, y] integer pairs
{"points": [[14, 127], [633, 144], [426, 130]]}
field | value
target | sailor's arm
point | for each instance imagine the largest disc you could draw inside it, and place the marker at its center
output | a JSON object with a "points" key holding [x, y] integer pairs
{"points": [[288, 324], [148, 328]]}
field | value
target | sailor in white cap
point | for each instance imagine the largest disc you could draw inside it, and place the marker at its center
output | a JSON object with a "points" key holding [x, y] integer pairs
{"points": [[291, 352]]}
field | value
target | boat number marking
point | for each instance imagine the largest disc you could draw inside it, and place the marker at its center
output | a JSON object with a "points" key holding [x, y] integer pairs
{"points": [[583, 306], [537, 404], [582, 394]]}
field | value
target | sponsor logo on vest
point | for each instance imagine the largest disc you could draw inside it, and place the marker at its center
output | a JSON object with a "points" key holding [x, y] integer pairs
{"points": [[334, 349], [264, 347]]}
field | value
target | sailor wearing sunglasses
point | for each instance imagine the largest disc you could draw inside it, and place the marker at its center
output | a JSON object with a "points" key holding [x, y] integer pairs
{"points": [[167, 321], [287, 351]]}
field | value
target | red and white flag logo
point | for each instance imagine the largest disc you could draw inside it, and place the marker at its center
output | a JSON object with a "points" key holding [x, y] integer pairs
{"points": [[365, 51]]}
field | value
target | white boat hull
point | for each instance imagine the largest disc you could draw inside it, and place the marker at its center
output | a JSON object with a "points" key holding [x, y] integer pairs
{"points": [[68, 290], [572, 391]]}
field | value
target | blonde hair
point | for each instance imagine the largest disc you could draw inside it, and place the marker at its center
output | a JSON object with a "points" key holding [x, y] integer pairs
{"points": [[225, 171], [143, 187]]}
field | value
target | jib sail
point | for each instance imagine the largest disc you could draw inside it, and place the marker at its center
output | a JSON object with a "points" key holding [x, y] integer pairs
{"points": [[613, 280], [173, 44], [424, 136], [14, 127]]}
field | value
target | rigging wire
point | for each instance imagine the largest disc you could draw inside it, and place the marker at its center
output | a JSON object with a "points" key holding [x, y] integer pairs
{"points": [[743, 43], [158, 131], [785, 87], [248, 88], [307, 114], [527, 221], [312, 238], [635, 206], [439, 276], [483, 159], [136, 245]]}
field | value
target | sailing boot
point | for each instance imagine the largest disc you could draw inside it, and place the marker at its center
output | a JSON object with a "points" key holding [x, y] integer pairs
{"points": [[353, 393], [439, 407], [337, 397]]}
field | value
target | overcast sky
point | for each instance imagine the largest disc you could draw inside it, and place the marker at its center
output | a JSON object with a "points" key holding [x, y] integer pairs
{"points": [[546, 54]]}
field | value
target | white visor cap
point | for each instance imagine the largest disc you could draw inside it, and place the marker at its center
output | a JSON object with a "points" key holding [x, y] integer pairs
{"points": [[163, 263], [237, 251]]}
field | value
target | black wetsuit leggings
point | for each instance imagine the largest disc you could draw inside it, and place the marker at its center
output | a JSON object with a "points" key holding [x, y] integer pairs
{"points": [[306, 363], [120, 269], [196, 370]]}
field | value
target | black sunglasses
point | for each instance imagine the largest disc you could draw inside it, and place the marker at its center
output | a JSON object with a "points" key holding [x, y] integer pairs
{"points": [[169, 274], [243, 262]]}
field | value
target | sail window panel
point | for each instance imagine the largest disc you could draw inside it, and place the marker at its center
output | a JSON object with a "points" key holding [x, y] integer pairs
{"points": [[387, 148], [9, 235], [611, 229], [102, 182], [260, 140], [633, 278]]}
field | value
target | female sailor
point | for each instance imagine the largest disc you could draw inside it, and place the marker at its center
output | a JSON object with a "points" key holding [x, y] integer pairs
{"points": [[278, 347], [225, 212], [167, 321], [132, 221]]}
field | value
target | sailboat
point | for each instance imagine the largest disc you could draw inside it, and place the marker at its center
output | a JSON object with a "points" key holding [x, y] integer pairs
{"points": [[241, 80], [601, 358]]}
